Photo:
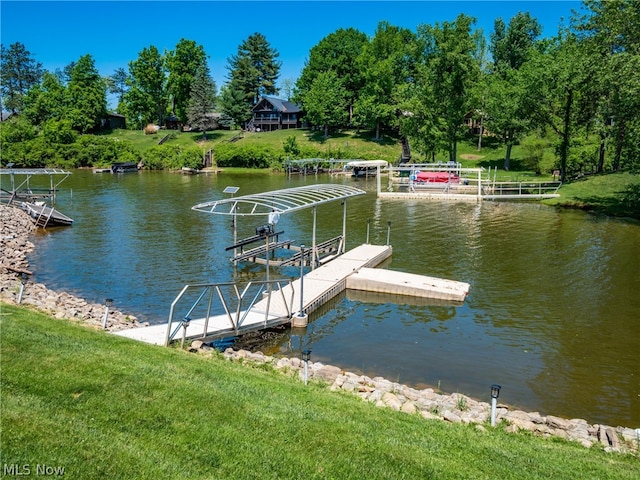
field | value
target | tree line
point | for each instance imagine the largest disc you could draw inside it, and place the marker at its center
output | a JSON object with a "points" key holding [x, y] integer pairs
{"points": [[578, 91]]}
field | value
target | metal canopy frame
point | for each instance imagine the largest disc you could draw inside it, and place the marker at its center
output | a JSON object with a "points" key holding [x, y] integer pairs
{"points": [[281, 201], [285, 201], [27, 173]]}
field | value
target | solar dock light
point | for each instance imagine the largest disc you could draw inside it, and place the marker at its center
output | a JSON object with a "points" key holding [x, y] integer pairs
{"points": [[107, 303], [24, 276], [306, 356], [495, 393]]}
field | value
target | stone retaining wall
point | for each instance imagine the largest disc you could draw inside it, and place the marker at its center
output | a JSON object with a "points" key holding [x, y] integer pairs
{"points": [[16, 227], [455, 408]]}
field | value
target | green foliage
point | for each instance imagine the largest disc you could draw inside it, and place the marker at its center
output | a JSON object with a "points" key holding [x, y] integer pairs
{"points": [[248, 156], [234, 105], [59, 132], [19, 71], [202, 100], [106, 407], [630, 200], [86, 96], [326, 101], [172, 157], [336, 52], [146, 100], [255, 68], [291, 146], [15, 130], [535, 149], [183, 64]]}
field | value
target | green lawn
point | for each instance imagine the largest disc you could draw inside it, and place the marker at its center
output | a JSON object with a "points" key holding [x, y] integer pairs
{"points": [[102, 406]]}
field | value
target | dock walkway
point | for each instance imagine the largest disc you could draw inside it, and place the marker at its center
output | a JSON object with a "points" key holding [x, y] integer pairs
{"points": [[319, 286]]}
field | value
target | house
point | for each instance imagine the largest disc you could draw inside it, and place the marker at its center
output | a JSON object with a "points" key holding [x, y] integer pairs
{"points": [[172, 123], [271, 113], [473, 121], [115, 120]]}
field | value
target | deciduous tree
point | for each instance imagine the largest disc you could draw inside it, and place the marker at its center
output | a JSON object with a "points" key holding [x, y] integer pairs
{"points": [[182, 64], [146, 100]]}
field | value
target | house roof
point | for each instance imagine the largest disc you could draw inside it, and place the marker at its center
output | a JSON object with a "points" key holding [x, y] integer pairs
{"points": [[279, 105]]}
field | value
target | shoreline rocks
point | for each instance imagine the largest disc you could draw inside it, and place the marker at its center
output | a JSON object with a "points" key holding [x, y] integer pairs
{"points": [[16, 227], [454, 408]]}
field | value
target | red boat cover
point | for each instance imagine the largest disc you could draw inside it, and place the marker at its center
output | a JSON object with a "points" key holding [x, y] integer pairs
{"points": [[438, 177]]}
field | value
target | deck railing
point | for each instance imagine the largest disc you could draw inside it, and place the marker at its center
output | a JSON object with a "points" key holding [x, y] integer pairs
{"points": [[236, 303]]}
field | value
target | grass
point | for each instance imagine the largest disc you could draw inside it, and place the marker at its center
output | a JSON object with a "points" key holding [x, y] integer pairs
{"points": [[102, 406], [601, 193]]}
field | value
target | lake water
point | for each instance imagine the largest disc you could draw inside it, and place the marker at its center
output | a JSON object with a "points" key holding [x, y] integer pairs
{"points": [[553, 313]]}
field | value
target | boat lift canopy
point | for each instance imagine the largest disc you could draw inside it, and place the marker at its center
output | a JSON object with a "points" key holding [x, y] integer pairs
{"points": [[284, 201], [281, 201], [23, 175]]}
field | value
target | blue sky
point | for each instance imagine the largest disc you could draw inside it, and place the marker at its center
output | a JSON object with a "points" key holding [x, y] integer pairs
{"points": [[114, 32]]}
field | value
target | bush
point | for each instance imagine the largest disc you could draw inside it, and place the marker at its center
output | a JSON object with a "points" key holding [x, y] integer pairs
{"points": [[247, 156]]}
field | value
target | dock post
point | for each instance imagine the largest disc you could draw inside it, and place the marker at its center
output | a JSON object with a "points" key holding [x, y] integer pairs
{"points": [[368, 227], [301, 319], [388, 232]]}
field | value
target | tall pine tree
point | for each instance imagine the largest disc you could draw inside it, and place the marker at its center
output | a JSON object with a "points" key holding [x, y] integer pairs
{"points": [[255, 68], [202, 100]]}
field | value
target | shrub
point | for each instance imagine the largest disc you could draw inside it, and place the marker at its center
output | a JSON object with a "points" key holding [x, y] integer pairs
{"points": [[151, 129]]}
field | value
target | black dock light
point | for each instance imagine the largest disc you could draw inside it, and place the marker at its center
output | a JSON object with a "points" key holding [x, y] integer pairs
{"points": [[495, 393], [306, 356], [24, 276], [107, 303]]}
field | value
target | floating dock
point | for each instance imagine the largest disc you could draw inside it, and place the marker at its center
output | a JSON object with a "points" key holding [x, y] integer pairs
{"points": [[320, 285], [260, 305]]}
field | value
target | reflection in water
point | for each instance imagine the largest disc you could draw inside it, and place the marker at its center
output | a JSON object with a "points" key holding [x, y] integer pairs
{"points": [[553, 313]]}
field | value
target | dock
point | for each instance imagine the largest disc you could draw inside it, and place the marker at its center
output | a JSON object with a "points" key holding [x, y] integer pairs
{"points": [[276, 308], [269, 303]]}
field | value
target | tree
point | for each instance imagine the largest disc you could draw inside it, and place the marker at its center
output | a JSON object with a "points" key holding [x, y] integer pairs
{"points": [[510, 46], [18, 73], [46, 101], [505, 106], [326, 102], [86, 96], [287, 86], [202, 100], [451, 70], [117, 84], [182, 64], [233, 103], [609, 33], [254, 69], [336, 52], [147, 100], [553, 78], [385, 63]]}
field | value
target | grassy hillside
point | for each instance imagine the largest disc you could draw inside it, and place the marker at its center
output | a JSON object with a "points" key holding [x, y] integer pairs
{"points": [[102, 406]]}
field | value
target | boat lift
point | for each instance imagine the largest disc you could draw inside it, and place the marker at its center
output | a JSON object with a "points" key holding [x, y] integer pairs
{"points": [[20, 183], [279, 202]]}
